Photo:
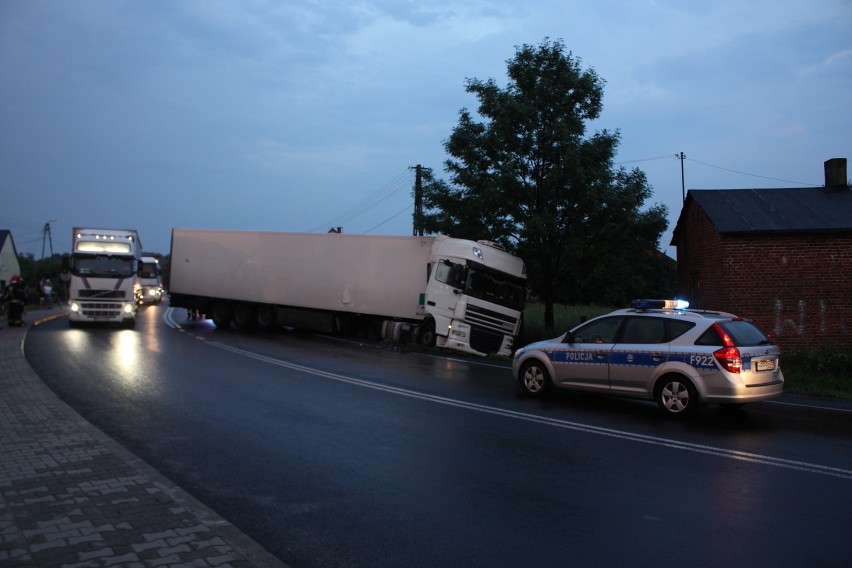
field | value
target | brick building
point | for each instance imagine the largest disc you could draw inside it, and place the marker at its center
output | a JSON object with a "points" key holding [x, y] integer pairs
{"points": [[781, 257]]}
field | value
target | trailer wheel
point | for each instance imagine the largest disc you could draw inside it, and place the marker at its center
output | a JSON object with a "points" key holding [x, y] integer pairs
{"points": [[264, 317], [427, 333], [244, 316], [221, 314]]}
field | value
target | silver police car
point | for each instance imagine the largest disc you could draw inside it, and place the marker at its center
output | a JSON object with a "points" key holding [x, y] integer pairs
{"points": [[658, 350]]}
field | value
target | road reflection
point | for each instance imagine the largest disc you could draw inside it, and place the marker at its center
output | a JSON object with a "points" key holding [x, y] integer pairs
{"points": [[125, 355]]}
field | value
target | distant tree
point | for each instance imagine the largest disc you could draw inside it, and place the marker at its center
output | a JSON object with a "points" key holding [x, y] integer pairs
{"points": [[33, 271], [527, 176]]}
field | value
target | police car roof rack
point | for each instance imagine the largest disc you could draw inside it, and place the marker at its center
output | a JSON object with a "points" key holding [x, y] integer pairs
{"points": [[645, 304]]}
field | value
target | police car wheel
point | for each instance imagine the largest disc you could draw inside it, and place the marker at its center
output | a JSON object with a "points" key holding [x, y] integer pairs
{"points": [[534, 379], [676, 396]]}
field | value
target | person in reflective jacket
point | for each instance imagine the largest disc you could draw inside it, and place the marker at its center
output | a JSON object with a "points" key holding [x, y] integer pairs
{"points": [[16, 300]]}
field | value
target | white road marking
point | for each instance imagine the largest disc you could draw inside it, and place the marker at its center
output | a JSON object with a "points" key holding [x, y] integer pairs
{"points": [[556, 423]]}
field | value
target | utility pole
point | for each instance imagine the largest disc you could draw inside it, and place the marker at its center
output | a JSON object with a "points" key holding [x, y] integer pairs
{"points": [[45, 237], [682, 157], [418, 201]]}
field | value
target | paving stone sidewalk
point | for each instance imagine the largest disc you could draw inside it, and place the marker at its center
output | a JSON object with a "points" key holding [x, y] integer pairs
{"points": [[72, 497]]}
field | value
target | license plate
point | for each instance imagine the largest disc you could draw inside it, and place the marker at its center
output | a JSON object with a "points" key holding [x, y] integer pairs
{"points": [[766, 365]]}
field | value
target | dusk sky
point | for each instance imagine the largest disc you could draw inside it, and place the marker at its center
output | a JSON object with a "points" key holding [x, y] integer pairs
{"points": [[303, 115]]}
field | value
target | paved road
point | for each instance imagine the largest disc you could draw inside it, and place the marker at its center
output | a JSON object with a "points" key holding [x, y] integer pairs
{"points": [[333, 456], [71, 496]]}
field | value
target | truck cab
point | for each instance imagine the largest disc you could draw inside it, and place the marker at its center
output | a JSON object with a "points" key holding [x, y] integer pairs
{"points": [[150, 281], [475, 296], [104, 284]]}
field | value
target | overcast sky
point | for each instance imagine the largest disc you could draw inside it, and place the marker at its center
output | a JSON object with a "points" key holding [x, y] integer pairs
{"points": [[303, 115]]}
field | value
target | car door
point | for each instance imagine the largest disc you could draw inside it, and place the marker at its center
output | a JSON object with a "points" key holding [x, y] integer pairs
{"points": [[642, 347], [583, 359]]}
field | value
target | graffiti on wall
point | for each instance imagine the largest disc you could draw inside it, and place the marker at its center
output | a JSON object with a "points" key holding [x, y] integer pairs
{"points": [[802, 320]]}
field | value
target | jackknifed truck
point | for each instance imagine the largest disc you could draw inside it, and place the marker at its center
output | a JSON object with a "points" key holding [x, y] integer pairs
{"points": [[457, 294]]}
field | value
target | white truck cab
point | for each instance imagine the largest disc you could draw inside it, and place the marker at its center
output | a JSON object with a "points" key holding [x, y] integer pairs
{"points": [[104, 283]]}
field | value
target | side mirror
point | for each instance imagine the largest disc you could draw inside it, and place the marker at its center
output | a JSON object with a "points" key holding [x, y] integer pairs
{"points": [[569, 337]]}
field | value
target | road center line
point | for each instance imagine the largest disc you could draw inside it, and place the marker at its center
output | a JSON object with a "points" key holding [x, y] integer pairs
{"points": [[557, 423]]}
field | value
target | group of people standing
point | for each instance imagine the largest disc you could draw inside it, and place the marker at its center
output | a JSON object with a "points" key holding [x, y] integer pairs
{"points": [[16, 297]]}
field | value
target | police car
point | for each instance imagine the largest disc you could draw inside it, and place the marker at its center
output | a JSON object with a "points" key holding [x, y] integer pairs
{"points": [[658, 350]]}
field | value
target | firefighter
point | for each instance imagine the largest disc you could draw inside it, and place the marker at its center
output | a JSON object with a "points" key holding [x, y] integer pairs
{"points": [[16, 301]]}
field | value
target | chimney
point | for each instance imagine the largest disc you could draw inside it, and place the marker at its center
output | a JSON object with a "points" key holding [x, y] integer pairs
{"points": [[835, 174]]}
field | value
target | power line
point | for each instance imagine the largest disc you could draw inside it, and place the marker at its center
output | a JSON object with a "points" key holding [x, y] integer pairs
{"points": [[666, 157], [392, 217], [389, 189], [681, 156], [754, 175], [26, 225]]}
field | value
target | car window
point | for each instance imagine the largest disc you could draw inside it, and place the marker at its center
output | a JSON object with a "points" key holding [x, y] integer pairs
{"points": [[744, 333], [678, 328], [710, 338], [601, 330], [645, 330]]}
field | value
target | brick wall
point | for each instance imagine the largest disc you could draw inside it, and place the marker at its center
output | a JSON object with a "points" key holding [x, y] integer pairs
{"points": [[796, 287]]}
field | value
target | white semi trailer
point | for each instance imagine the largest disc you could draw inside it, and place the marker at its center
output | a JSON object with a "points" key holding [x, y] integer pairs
{"points": [[104, 282], [453, 293]]}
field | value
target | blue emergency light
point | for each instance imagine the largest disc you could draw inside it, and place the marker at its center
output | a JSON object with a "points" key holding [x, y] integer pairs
{"points": [[659, 304]]}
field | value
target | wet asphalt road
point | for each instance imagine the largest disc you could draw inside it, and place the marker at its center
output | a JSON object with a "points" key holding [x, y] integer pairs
{"points": [[335, 453]]}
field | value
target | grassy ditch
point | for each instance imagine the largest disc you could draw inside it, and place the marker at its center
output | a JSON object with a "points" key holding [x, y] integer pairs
{"points": [[816, 372]]}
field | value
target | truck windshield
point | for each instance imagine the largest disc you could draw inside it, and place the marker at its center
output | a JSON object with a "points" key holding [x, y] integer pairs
{"points": [[102, 265], [149, 270], [495, 287]]}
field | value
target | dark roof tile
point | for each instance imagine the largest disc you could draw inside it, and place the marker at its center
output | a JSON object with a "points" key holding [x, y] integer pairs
{"points": [[734, 211]]}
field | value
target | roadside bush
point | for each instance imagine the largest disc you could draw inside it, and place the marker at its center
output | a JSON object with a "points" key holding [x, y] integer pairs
{"points": [[821, 372]]}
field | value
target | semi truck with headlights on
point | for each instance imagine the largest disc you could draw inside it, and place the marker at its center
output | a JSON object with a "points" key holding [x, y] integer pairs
{"points": [[457, 294], [104, 284], [150, 280]]}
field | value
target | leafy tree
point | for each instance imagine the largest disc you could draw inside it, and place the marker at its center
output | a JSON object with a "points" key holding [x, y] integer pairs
{"points": [[527, 176]]}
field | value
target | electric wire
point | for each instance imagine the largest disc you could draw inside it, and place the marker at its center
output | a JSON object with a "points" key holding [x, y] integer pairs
{"points": [[676, 156], [400, 182], [752, 175], [666, 157], [392, 217]]}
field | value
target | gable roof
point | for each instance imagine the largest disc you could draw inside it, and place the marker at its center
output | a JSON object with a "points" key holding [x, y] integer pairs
{"points": [[4, 236], [740, 211]]}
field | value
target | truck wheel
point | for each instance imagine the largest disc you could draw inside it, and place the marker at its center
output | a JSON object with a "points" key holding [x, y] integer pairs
{"points": [[427, 333], [244, 316], [221, 314], [264, 317]]}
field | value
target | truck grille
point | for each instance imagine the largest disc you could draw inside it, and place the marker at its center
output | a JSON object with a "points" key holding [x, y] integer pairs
{"points": [[100, 310], [485, 340], [488, 328], [105, 294]]}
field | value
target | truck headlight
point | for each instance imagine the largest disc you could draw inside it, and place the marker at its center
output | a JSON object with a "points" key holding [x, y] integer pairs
{"points": [[128, 308]]}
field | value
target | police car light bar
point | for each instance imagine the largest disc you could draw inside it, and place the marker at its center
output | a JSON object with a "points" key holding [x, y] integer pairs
{"points": [[659, 304]]}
